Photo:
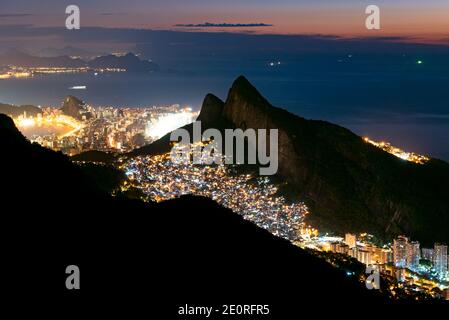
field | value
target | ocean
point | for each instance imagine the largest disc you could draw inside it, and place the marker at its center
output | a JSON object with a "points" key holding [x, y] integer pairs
{"points": [[386, 97]]}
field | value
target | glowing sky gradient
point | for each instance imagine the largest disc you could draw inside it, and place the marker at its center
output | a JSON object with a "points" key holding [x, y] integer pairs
{"points": [[427, 20]]}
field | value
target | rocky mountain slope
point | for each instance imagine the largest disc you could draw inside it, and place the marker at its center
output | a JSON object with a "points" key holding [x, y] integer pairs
{"points": [[74, 107], [349, 185]]}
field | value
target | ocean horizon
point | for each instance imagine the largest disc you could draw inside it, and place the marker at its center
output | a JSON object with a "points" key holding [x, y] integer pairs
{"points": [[391, 98]]}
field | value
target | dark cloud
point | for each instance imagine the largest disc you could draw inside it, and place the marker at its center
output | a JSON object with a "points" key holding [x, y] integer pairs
{"points": [[224, 25], [385, 38], [111, 14], [14, 15], [160, 42]]}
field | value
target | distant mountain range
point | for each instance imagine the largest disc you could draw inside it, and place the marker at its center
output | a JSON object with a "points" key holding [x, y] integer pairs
{"points": [[71, 106], [349, 185], [130, 61], [18, 58], [68, 51], [15, 111]]}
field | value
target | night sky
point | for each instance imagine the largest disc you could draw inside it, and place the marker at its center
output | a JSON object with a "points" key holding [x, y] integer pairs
{"points": [[426, 19]]}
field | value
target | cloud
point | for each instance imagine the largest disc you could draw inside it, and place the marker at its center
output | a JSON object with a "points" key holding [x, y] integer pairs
{"points": [[383, 38], [224, 25], [14, 15], [111, 14], [159, 42]]}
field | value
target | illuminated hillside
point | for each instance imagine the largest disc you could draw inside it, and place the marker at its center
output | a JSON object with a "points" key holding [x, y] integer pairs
{"points": [[409, 156]]}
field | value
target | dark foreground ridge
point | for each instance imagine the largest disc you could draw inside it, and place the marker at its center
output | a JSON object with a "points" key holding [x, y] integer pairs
{"points": [[188, 250], [349, 185]]}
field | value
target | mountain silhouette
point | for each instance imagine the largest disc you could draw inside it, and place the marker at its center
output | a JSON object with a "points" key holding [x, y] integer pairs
{"points": [[74, 107], [130, 61], [19, 58], [349, 185], [68, 51], [15, 111]]}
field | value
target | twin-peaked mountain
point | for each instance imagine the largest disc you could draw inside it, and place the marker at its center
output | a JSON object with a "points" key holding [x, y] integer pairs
{"points": [[349, 185]]}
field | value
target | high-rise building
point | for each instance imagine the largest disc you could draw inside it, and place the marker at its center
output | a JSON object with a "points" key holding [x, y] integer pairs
{"points": [[343, 248], [333, 246], [386, 256], [353, 252], [400, 274], [440, 259], [400, 251], [351, 240], [413, 255], [364, 256], [427, 253], [339, 247], [376, 254], [379, 255]]}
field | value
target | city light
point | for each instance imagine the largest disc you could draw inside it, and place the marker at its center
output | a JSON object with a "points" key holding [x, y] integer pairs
{"points": [[103, 128], [252, 197], [166, 123], [408, 156], [25, 122]]}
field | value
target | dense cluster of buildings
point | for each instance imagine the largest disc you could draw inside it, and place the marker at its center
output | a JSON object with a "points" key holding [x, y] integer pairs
{"points": [[255, 199], [106, 129], [359, 248], [364, 252], [415, 267], [407, 254], [8, 73]]}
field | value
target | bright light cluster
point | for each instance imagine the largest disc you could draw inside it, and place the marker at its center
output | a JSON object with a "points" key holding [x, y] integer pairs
{"points": [[104, 128], [254, 198], [408, 156], [49, 120], [13, 74], [168, 122]]}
